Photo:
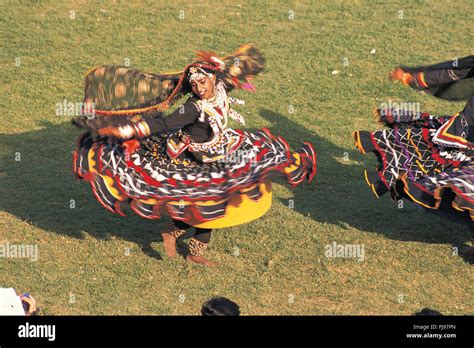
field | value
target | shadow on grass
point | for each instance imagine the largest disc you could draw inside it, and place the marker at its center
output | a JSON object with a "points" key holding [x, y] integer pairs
{"points": [[37, 186], [341, 197]]}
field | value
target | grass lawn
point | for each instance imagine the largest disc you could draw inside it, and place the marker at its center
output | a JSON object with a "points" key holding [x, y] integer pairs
{"points": [[94, 262]]}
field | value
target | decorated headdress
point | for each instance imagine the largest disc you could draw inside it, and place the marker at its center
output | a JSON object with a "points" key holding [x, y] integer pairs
{"points": [[207, 66], [195, 73]]}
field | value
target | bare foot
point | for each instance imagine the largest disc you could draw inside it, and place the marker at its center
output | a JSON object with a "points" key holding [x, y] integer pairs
{"points": [[201, 260], [398, 74], [169, 242]]}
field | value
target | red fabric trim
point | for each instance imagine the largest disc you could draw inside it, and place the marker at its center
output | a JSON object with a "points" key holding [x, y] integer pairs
{"points": [[192, 209], [461, 194], [74, 163], [118, 208], [148, 179], [99, 157]]}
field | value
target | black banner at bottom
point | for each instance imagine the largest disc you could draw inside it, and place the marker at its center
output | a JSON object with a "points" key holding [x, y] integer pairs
{"points": [[291, 331]]}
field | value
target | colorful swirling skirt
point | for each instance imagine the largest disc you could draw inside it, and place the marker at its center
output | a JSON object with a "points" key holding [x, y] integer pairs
{"points": [[412, 166], [196, 193]]}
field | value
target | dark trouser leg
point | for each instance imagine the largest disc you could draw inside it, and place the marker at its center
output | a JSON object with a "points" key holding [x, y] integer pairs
{"points": [[200, 241], [176, 228], [435, 78], [203, 234]]}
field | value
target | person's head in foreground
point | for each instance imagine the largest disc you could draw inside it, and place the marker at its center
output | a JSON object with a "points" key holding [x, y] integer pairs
{"points": [[29, 304], [428, 312], [220, 306]]}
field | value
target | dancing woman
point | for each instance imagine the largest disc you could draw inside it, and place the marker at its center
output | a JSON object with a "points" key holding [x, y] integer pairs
{"points": [[428, 159], [190, 164]]}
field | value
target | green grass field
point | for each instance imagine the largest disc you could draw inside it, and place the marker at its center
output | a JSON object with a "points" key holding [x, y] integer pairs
{"points": [[93, 262]]}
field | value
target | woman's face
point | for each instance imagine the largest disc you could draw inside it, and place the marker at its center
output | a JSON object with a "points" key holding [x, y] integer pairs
{"points": [[204, 87]]}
